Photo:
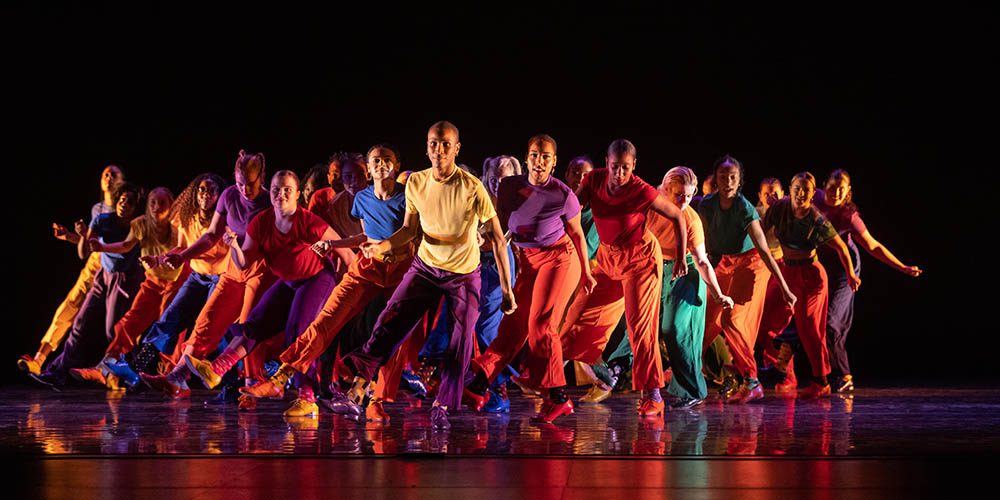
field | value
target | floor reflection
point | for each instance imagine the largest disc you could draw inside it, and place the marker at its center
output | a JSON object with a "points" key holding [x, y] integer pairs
{"points": [[868, 422]]}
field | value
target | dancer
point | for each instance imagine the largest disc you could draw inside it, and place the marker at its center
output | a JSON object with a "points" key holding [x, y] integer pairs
{"points": [[447, 204], [770, 188], [628, 272], [733, 232], [111, 178], [801, 228], [315, 179], [682, 301], [835, 204], [543, 217], [319, 202], [238, 288], [381, 210], [109, 297], [192, 213]]}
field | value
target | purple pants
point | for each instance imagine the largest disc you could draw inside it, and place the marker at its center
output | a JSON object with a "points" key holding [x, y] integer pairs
{"points": [[420, 291], [289, 305]]}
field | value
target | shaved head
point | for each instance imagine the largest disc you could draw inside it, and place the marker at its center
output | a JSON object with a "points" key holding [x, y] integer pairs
{"points": [[442, 126]]}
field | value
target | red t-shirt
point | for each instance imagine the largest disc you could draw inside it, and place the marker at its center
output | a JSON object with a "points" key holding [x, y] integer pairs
{"points": [[620, 218], [288, 254], [319, 203]]}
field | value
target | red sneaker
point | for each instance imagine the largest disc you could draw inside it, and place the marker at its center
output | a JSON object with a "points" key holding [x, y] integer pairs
{"points": [[160, 383], [551, 411], [650, 408], [790, 383], [473, 400], [815, 390]]}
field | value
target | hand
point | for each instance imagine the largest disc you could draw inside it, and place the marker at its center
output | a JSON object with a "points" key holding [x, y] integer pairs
{"points": [[95, 245], [80, 227], [172, 260], [589, 283], [230, 239], [508, 305], [912, 271], [60, 232], [373, 248], [151, 261], [727, 301], [854, 282], [480, 241], [789, 298], [680, 268], [321, 248]]}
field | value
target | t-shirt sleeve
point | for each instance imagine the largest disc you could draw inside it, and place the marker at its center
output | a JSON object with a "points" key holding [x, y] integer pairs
{"points": [[138, 228], [823, 231], [750, 214], [316, 227], [482, 204], [771, 216], [572, 206], [220, 205], [357, 210], [696, 232], [649, 195], [412, 192], [858, 226]]}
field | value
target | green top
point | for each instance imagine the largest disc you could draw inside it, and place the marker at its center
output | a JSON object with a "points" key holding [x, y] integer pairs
{"points": [[726, 230], [590, 231], [804, 233]]}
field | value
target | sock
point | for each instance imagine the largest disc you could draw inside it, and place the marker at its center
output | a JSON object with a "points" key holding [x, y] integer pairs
{"points": [[752, 382], [179, 375], [653, 395], [280, 378], [306, 393], [558, 395], [358, 390], [228, 358]]}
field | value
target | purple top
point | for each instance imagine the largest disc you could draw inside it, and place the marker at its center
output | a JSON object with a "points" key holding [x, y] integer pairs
{"points": [[845, 218], [536, 215], [238, 211]]}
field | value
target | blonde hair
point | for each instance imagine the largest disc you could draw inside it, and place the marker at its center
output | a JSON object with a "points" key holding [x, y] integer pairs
{"points": [[149, 221], [682, 175]]}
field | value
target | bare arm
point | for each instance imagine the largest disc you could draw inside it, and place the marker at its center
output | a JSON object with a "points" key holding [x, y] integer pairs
{"points": [[239, 253], [760, 243], [402, 236], [663, 207], [216, 229], [575, 232], [495, 236], [880, 252], [123, 246], [343, 251], [61, 233], [82, 242], [840, 247], [708, 276]]}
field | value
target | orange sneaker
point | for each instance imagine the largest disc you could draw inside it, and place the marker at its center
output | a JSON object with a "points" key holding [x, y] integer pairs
{"points": [[247, 403], [790, 383], [263, 389], [815, 391], [89, 375], [375, 412], [650, 408]]}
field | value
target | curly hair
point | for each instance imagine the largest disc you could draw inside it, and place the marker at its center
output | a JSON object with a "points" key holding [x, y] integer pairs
{"points": [[185, 207]]}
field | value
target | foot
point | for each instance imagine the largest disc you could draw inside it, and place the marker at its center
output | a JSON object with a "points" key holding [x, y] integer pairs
{"points": [[439, 418], [246, 403], [203, 370], [340, 404], [28, 364], [498, 403], [730, 386], [684, 403], [815, 390], [49, 379], [226, 397], [302, 408], [122, 370], [596, 394], [748, 394], [650, 408], [376, 413], [522, 382], [90, 375], [160, 383], [846, 384], [263, 389], [415, 383], [553, 410], [473, 400]]}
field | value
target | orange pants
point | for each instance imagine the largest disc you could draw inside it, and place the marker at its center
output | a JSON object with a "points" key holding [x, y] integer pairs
{"points": [[365, 279], [744, 278], [154, 295], [62, 320], [629, 280], [232, 300], [546, 280]]}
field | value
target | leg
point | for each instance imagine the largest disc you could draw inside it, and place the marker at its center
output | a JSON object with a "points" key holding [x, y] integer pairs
{"points": [[86, 340], [810, 316], [682, 326], [62, 321], [641, 287], [741, 323], [591, 318], [558, 272], [839, 317], [462, 293], [144, 311]]}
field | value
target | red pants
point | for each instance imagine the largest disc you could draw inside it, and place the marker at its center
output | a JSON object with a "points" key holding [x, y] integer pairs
{"points": [[154, 295], [629, 280], [809, 285], [744, 278], [232, 300], [365, 279], [546, 280]]}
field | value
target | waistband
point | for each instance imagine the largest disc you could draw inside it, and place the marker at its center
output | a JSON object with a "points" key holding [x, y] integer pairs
{"points": [[799, 262], [396, 255], [687, 258], [560, 243], [634, 244]]}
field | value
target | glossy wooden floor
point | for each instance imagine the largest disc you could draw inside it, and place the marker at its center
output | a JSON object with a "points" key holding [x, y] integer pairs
{"points": [[874, 443]]}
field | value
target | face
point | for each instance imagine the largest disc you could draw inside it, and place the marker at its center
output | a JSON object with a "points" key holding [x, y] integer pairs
{"points": [[620, 168], [248, 184], [111, 177], [541, 161], [333, 177], [442, 149], [576, 172], [310, 188], [353, 175], [382, 164], [706, 187], [837, 191], [767, 190], [802, 193], [284, 193], [125, 206], [208, 195], [159, 205], [679, 194], [727, 179]]}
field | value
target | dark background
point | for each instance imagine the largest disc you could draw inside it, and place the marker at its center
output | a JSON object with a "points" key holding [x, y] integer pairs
{"points": [[896, 96]]}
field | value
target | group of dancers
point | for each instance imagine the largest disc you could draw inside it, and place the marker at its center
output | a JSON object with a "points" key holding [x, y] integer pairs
{"points": [[458, 285]]}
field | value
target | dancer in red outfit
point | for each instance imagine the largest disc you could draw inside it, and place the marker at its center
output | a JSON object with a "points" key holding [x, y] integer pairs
{"points": [[628, 274]]}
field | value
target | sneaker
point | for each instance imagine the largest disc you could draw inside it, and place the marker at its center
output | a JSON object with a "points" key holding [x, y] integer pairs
{"points": [[376, 413], [684, 403], [790, 383], [301, 408], [88, 375], [203, 370], [247, 403], [414, 383], [748, 394], [29, 365], [113, 383], [473, 400], [51, 380], [846, 384], [650, 408], [595, 395], [439, 418], [815, 390], [553, 410], [497, 403], [122, 370], [160, 383], [340, 404], [229, 395], [730, 386], [263, 389]]}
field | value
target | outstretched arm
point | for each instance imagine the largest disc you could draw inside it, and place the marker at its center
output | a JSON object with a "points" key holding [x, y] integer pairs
{"points": [[402, 236], [880, 252], [708, 276], [338, 247], [216, 230], [760, 243], [663, 207]]}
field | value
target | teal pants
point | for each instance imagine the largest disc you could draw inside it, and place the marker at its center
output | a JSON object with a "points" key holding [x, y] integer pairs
{"points": [[682, 328]]}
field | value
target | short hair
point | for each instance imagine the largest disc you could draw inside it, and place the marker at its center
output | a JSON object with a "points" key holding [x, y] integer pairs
{"points": [[288, 173], [444, 125], [543, 138], [385, 145], [620, 147], [727, 161], [770, 180], [581, 159], [682, 175]]}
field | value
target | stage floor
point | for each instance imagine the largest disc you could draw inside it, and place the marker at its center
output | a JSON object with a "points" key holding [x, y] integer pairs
{"points": [[893, 422]]}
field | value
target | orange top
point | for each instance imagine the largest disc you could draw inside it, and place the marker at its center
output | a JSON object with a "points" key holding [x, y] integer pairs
{"points": [[666, 232]]}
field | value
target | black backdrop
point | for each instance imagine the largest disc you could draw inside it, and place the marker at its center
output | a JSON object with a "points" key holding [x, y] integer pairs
{"points": [[894, 96]]}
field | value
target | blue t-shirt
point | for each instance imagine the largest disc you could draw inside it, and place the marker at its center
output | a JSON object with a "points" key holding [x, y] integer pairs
{"points": [[381, 217], [108, 229], [726, 230]]}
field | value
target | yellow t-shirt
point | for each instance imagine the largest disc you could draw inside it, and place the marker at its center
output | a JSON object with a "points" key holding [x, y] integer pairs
{"points": [[450, 213], [666, 232], [149, 246], [213, 261]]}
